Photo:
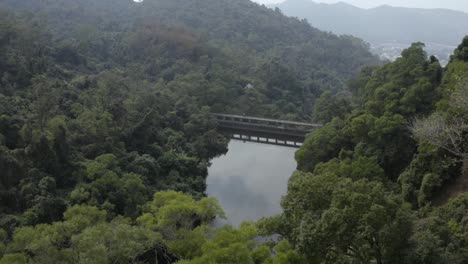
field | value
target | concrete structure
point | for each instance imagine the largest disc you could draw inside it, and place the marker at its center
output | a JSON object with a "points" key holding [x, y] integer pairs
{"points": [[265, 130]]}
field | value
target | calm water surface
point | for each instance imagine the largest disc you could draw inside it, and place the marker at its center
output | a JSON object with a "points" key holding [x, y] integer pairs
{"points": [[250, 179]]}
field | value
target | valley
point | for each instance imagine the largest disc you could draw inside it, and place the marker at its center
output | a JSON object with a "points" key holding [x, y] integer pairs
{"points": [[228, 132]]}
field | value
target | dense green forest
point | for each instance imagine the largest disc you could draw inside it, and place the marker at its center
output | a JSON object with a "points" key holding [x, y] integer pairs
{"points": [[106, 136], [386, 180]]}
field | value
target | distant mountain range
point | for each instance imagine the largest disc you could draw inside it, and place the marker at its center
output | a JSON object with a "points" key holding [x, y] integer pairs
{"points": [[385, 26], [383, 23]]}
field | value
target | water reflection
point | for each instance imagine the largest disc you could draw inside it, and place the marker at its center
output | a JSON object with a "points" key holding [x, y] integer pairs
{"points": [[250, 179]]}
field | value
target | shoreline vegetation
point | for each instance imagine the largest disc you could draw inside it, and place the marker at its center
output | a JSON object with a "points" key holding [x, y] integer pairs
{"points": [[106, 137]]}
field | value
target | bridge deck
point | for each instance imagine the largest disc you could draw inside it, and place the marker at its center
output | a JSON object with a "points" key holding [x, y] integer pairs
{"points": [[265, 130]]}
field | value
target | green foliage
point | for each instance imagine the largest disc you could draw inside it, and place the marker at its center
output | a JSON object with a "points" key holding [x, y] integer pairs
{"points": [[109, 188], [329, 106], [114, 104], [83, 236], [334, 219], [348, 210], [285, 254], [170, 211], [103, 103], [386, 98], [113, 243], [429, 183], [442, 141], [14, 259], [322, 145], [440, 236], [357, 168], [173, 219], [228, 245]]}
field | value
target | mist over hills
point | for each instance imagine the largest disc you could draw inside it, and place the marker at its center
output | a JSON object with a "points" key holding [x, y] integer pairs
{"points": [[385, 26]]}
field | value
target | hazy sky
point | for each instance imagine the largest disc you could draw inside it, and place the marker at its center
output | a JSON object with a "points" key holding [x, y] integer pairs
{"points": [[460, 5]]}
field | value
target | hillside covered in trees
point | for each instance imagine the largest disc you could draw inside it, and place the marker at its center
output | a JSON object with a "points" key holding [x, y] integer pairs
{"points": [[104, 103], [106, 135], [386, 180]]}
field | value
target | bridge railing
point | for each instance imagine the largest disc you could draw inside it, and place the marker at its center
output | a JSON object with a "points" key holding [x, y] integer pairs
{"points": [[265, 122], [265, 130]]}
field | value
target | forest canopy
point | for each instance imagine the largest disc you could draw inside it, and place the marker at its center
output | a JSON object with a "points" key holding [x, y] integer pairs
{"points": [[106, 137]]}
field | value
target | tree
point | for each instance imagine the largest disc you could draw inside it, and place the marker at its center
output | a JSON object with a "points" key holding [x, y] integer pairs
{"points": [[115, 242], [440, 235], [329, 106], [335, 219], [83, 236], [230, 245], [321, 145], [110, 188], [446, 133], [170, 211]]}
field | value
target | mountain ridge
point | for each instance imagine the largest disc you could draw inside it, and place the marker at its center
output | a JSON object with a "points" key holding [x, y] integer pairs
{"points": [[342, 3], [396, 23]]}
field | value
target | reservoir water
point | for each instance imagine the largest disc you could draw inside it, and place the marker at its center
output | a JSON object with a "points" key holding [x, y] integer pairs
{"points": [[250, 180]]}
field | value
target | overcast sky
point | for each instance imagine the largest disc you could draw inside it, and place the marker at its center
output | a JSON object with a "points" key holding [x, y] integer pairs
{"points": [[460, 5]]}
